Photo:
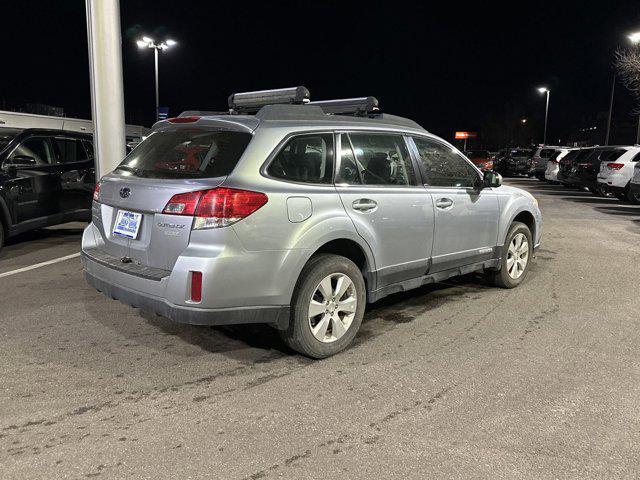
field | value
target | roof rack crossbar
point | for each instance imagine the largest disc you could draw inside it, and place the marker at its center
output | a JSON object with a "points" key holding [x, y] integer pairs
{"points": [[247, 102], [350, 106]]}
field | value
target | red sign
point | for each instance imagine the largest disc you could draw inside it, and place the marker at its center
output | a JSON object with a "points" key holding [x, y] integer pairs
{"points": [[464, 135]]}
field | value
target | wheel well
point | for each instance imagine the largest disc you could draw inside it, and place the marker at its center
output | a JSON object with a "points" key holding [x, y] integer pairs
{"points": [[346, 248], [527, 218]]}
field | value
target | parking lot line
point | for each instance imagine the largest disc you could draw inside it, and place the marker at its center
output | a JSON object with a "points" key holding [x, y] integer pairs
{"points": [[38, 265]]}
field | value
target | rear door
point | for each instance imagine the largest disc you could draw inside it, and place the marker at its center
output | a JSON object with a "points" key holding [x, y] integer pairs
{"points": [[77, 177], [466, 217], [378, 186]]}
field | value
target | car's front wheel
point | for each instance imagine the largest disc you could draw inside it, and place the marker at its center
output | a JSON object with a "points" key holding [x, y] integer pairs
{"points": [[327, 306], [516, 255]]}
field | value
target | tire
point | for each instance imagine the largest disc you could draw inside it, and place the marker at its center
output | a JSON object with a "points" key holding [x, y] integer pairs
{"points": [[501, 277], [633, 198], [309, 288]]}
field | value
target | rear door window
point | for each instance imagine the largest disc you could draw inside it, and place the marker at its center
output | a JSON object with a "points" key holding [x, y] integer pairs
{"points": [[305, 159], [71, 150], [187, 153]]}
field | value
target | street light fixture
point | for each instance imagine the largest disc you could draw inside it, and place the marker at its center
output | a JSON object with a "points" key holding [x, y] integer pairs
{"points": [[546, 113], [147, 42]]}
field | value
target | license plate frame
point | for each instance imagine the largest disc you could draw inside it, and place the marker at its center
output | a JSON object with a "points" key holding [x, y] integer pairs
{"points": [[127, 224]]}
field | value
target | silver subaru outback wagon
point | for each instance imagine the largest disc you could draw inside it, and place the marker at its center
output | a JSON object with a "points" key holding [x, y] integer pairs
{"points": [[297, 214]]}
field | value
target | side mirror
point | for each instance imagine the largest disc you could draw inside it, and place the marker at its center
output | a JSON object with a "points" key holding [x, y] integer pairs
{"points": [[21, 161], [491, 179]]}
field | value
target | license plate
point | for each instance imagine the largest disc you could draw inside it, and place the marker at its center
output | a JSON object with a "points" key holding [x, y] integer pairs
{"points": [[127, 224]]}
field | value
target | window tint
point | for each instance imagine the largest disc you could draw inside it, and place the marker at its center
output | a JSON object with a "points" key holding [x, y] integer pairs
{"points": [[186, 153], [443, 166], [636, 158], [88, 146], [71, 150], [37, 147], [305, 158], [610, 155], [379, 160]]}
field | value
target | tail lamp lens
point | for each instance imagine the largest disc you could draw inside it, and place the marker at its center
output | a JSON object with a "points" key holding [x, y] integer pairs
{"points": [[615, 166], [216, 208], [96, 192]]}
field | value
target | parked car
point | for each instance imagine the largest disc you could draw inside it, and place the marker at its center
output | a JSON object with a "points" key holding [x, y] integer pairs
{"points": [[634, 187], [553, 164], [541, 156], [566, 165], [517, 161], [481, 159], [585, 168], [298, 215], [616, 173], [47, 177]]}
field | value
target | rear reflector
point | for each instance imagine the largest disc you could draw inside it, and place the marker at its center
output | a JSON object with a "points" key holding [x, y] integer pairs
{"points": [[190, 119], [615, 166], [96, 192], [216, 208], [196, 286]]}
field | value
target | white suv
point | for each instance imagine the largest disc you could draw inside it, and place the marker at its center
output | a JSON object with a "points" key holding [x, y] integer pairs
{"points": [[553, 164], [616, 175]]}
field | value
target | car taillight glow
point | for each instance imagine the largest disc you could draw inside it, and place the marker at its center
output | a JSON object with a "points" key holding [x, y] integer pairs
{"points": [[183, 203], [615, 166], [216, 208], [96, 192], [196, 286], [190, 119]]}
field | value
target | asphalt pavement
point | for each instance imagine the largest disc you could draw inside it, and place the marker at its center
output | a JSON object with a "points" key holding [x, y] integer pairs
{"points": [[454, 380]]}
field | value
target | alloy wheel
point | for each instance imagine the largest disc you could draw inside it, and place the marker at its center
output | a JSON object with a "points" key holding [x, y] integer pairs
{"points": [[332, 307], [517, 255]]}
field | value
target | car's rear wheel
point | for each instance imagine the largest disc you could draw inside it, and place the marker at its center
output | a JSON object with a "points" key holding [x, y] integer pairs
{"points": [[516, 255], [327, 306], [631, 197]]}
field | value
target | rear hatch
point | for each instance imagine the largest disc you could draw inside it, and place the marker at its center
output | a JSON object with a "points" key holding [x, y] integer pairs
{"points": [[172, 161]]}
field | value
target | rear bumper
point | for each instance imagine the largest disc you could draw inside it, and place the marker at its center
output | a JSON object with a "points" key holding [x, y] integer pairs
{"points": [[279, 315]]}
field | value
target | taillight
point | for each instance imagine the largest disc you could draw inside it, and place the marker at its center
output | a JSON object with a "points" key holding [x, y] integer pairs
{"points": [[96, 192], [615, 166], [190, 119], [216, 208], [183, 203]]}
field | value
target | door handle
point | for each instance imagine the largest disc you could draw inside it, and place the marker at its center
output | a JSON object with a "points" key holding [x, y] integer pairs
{"points": [[444, 203], [364, 205]]}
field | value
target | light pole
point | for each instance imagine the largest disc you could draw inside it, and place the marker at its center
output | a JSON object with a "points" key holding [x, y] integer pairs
{"points": [[147, 42], [634, 38], [546, 113]]}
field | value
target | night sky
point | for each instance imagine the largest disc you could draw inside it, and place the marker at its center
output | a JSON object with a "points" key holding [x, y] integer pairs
{"points": [[448, 68]]}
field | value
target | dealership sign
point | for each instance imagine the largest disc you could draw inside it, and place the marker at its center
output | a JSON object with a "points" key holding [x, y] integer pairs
{"points": [[465, 135]]}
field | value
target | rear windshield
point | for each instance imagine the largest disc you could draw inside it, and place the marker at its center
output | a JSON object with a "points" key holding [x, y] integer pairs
{"points": [[546, 152], [571, 155], [521, 153], [186, 153], [609, 155]]}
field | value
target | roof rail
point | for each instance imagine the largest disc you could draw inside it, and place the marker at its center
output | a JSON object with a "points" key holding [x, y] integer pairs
{"points": [[251, 102], [350, 106]]}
